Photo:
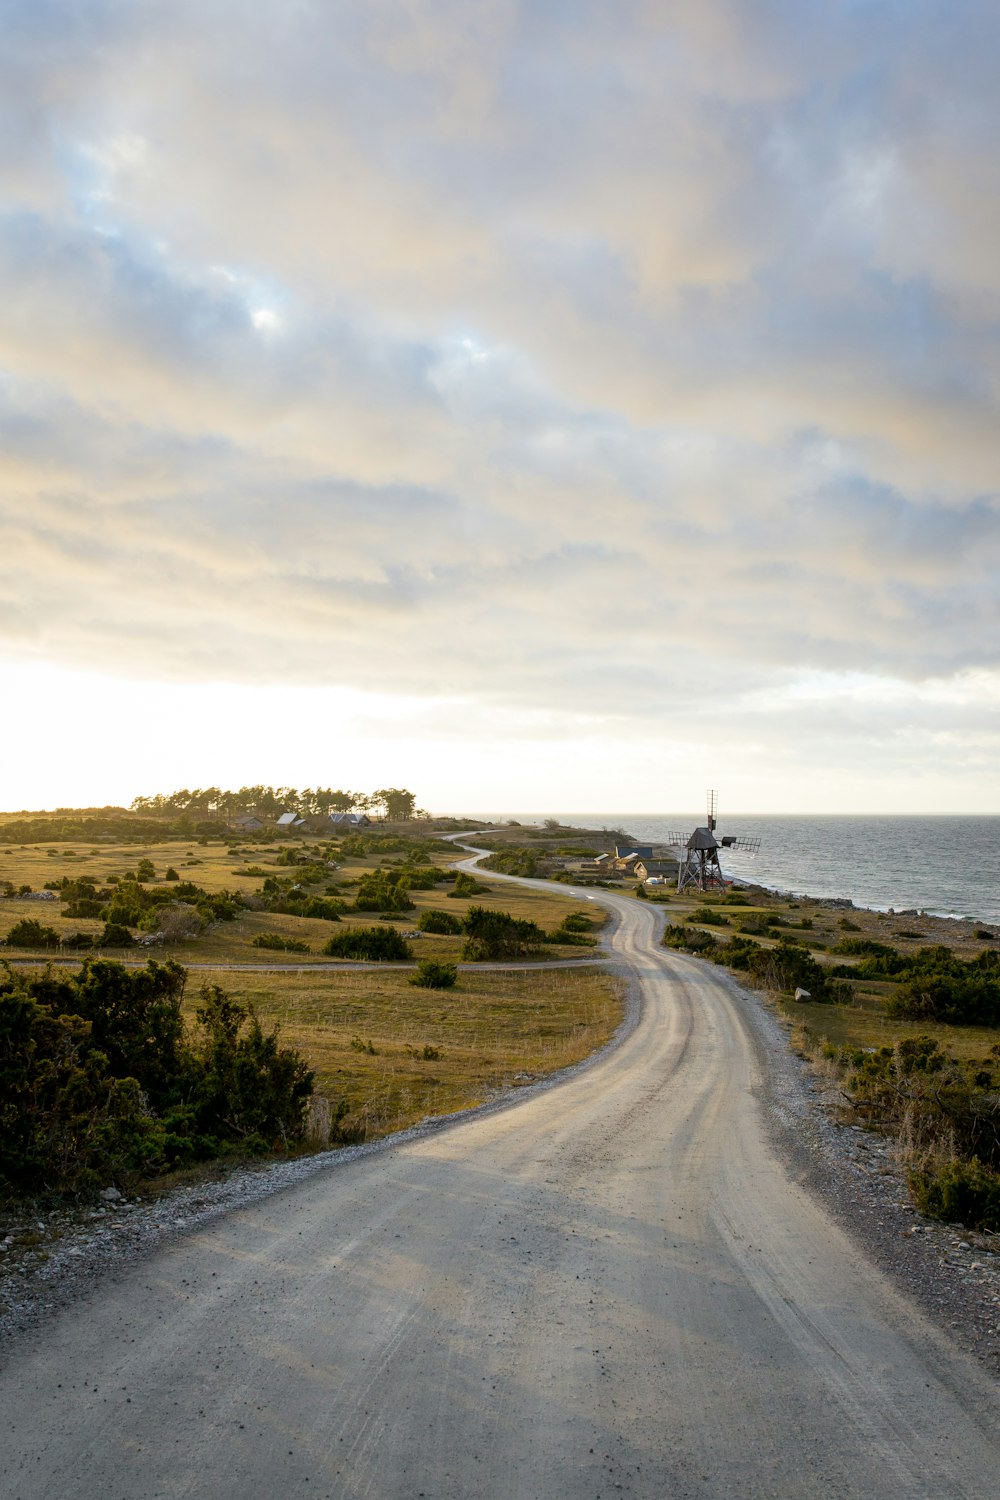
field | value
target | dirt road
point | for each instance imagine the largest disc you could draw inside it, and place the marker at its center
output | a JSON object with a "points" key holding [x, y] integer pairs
{"points": [[611, 1289]]}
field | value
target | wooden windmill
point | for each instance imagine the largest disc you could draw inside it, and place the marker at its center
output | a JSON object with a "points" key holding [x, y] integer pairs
{"points": [[699, 858]]}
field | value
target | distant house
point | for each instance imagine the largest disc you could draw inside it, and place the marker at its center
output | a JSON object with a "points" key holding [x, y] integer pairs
{"points": [[290, 820], [655, 869], [644, 851], [246, 825], [350, 820]]}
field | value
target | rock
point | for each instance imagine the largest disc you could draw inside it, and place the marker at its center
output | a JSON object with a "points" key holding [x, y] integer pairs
{"points": [[110, 1195]]}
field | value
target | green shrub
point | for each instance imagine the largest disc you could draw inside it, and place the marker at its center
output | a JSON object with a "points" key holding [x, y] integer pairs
{"points": [[708, 916], [512, 862], [378, 891], [960, 1192], [78, 940], [279, 944], [443, 922], [432, 975], [323, 909], [29, 933], [466, 885], [115, 935], [958, 1000], [371, 944], [492, 935], [690, 939]]}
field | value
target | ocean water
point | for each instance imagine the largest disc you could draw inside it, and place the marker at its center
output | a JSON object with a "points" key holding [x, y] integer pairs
{"points": [[949, 866]]}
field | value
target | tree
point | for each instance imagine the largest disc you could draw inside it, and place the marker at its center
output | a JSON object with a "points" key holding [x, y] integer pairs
{"points": [[397, 802]]}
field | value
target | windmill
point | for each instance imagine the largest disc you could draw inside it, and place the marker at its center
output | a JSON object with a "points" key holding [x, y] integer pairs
{"points": [[699, 864]]}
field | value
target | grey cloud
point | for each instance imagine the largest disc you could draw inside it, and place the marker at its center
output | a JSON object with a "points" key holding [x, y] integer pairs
{"points": [[607, 354]]}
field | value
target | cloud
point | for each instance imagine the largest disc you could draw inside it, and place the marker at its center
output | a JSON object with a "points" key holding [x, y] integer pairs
{"points": [[543, 357]]}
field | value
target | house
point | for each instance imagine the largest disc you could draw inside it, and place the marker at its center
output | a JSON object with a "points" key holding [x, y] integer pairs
{"points": [[645, 851], [246, 825], [290, 820], [655, 869], [351, 820]]}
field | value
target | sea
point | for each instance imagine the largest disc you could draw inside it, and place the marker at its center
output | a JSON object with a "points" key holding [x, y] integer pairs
{"points": [[946, 866]]}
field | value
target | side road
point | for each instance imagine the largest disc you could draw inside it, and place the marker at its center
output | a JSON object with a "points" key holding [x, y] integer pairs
{"points": [[615, 1287]]}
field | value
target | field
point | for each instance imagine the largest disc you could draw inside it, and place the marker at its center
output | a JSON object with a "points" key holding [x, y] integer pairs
{"points": [[217, 866], [820, 926], [386, 1053], [395, 1053]]}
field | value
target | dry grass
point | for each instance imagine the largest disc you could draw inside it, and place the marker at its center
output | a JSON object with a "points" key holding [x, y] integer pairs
{"points": [[492, 1027], [215, 867]]}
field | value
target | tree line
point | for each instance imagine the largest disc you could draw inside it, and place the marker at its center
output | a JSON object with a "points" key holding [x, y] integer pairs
{"points": [[394, 803]]}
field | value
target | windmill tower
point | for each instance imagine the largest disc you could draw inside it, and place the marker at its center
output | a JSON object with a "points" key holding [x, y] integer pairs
{"points": [[699, 862]]}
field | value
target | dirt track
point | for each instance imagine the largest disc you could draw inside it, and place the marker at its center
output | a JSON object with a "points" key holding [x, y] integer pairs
{"points": [[613, 1288]]}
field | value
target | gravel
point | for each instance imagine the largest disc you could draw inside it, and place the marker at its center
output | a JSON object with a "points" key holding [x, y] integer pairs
{"points": [[50, 1259]]}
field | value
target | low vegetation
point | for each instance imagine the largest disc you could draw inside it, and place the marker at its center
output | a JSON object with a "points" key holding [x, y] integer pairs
{"points": [[101, 1079], [937, 1090]]}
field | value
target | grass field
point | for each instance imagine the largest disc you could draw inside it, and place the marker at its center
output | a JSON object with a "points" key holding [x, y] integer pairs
{"points": [[216, 867], [395, 1053]]}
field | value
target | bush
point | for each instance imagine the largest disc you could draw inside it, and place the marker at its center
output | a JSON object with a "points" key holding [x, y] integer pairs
{"points": [[78, 940], [381, 892], [372, 944], [495, 935], [29, 933], [466, 885], [422, 877], [691, 939], [279, 944], [709, 917], [960, 1192], [443, 922], [512, 862], [115, 935], [323, 909], [432, 975], [966, 1000]]}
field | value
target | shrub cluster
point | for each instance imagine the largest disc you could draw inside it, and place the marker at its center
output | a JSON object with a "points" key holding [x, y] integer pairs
{"points": [[492, 935], [279, 944], [381, 890], [513, 862], [948, 1112], [370, 944], [467, 885], [432, 975], [934, 984], [786, 967], [100, 1079], [443, 922]]}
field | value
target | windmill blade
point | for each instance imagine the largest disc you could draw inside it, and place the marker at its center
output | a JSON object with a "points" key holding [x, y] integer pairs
{"points": [[678, 840], [744, 845], [713, 810]]}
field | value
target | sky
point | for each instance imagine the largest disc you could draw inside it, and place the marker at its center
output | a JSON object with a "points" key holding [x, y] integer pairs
{"points": [[541, 406]]}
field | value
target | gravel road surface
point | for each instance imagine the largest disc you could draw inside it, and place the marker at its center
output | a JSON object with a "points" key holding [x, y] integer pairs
{"points": [[614, 1288]]}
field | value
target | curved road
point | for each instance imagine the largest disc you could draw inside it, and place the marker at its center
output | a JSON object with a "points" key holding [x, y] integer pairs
{"points": [[612, 1288]]}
